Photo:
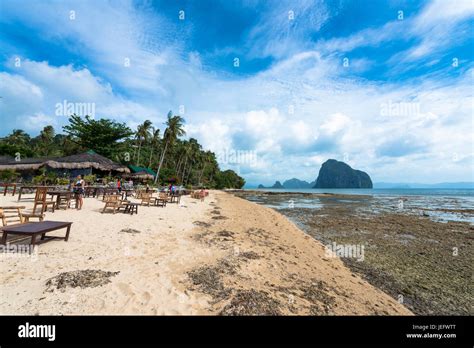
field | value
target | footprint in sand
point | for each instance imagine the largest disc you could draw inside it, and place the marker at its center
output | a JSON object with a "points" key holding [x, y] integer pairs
{"points": [[145, 298], [125, 289]]}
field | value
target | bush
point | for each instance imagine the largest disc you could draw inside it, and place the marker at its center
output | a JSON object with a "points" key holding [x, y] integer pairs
{"points": [[8, 175], [62, 181], [39, 179], [90, 179]]}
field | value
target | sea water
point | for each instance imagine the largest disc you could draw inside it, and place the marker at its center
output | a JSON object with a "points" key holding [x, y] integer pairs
{"points": [[439, 204]]}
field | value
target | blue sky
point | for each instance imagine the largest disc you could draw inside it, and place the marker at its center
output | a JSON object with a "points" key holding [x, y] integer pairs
{"points": [[383, 85]]}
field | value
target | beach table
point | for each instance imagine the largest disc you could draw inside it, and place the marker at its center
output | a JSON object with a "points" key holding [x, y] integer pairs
{"points": [[131, 208], [58, 195], [6, 185], [175, 198], [93, 191], [109, 191], [34, 229]]}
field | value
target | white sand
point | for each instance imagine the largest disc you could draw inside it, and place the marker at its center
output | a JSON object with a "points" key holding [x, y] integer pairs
{"points": [[150, 263]]}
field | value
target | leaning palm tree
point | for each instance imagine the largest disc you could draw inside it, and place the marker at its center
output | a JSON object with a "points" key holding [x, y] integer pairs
{"points": [[154, 141], [143, 134], [174, 129]]}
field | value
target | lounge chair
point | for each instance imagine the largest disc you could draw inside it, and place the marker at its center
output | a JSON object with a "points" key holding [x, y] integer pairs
{"points": [[114, 202], [15, 215], [64, 201], [146, 198], [162, 199], [41, 198]]}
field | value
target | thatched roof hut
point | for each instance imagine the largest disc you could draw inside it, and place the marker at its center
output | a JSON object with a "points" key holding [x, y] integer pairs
{"points": [[86, 160], [143, 175]]}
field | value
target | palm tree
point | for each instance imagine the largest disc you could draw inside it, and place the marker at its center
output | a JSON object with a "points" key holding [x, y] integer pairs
{"points": [[174, 129], [18, 137], [142, 134], [193, 154], [155, 139], [208, 157], [45, 140]]}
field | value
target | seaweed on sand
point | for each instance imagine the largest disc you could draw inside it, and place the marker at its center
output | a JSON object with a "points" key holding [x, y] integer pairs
{"points": [[251, 302], [84, 279], [202, 224], [249, 255], [219, 217], [130, 230], [316, 293], [209, 281]]}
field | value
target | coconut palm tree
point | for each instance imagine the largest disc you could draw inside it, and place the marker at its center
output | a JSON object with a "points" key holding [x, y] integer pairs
{"points": [[154, 141], [193, 156], [207, 159], [18, 137], [142, 134], [46, 137], [174, 129]]}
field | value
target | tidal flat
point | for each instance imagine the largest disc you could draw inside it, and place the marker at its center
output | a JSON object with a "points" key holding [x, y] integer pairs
{"points": [[419, 251]]}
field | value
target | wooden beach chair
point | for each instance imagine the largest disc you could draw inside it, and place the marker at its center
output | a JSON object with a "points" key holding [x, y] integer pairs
{"points": [[12, 215], [146, 198], [64, 201], [41, 198], [114, 202], [161, 200]]}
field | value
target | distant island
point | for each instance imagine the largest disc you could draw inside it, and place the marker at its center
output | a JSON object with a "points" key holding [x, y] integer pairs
{"points": [[333, 174], [336, 174]]}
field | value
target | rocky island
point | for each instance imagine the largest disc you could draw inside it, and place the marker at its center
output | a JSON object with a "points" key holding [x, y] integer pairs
{"points": [[336, 174]]}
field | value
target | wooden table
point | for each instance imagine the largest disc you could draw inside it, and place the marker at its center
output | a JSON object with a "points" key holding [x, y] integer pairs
{"points": [[5, 185], [34, 229], [131, 208], [58, 195], [174, 198]]}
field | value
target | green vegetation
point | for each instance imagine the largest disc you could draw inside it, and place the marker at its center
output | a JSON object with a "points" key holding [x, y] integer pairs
{"points": [[8, 175], [182, 161]]}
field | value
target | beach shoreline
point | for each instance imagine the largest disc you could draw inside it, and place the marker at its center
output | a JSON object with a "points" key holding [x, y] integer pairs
{"points": [[222, 256]]}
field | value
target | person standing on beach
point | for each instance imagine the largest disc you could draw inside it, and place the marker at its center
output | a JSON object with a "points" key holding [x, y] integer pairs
{"points": [[79, 192]]}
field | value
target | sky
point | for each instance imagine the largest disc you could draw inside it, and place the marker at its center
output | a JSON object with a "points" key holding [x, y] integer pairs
{"points": [[273, 87]]}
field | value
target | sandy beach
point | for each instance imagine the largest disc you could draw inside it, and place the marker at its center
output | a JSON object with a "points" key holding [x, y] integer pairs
{"points": [[221, 256]]}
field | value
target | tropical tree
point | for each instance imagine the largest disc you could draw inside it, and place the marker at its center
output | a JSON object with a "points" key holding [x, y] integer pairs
{"points": [[44, 146], [142, 135], [154, 141], [101, 135], [208, 157], [174, 129], [18, 137]]}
